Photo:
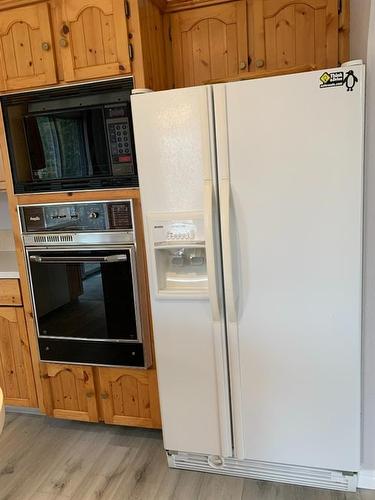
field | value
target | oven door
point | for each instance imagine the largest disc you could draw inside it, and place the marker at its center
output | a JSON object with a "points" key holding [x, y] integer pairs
{"points": [[85, 294]]}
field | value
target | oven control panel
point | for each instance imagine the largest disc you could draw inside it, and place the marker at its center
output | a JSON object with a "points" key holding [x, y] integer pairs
{"points": [[78, 217]]}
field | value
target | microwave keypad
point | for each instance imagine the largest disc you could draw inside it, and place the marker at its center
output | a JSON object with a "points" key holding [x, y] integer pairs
{"points": [[119, 136]]}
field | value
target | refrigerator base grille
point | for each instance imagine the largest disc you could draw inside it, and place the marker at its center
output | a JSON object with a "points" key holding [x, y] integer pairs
{"points": [[267, 471]]}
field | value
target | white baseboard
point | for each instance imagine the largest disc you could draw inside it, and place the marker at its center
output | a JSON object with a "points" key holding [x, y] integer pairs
{"points": [[366, 479]]}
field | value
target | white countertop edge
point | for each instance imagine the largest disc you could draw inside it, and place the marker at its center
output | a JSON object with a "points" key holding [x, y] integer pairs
{"points": [[8, 265], [9, 274]]}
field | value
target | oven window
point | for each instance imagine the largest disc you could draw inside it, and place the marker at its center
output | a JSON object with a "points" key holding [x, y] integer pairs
{"points": [[84, 294]]}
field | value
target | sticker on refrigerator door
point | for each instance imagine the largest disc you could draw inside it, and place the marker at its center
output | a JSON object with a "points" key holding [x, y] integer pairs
{"points": [[338, 79]]}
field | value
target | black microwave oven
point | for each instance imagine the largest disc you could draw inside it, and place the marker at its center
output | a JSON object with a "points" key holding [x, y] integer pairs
{"points": [[71, 138]]}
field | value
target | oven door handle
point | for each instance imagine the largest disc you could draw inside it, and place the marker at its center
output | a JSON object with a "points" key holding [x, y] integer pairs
{"points": [[77, 260]]}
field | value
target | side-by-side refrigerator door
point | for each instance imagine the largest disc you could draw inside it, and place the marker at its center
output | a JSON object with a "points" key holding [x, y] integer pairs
{"points": [[290, 160], [176, 164]]}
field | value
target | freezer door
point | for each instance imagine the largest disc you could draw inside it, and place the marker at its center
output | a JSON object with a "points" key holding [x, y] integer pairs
{"points": [[290, 155], [174, 139]]}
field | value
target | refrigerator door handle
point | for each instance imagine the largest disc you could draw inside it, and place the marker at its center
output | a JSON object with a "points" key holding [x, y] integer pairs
{"points": [[210, 250], [228, 268], [217, 322], [227, 250]]}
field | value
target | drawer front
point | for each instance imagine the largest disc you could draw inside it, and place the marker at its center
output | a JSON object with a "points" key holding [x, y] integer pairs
{"points": [[10, 293]]}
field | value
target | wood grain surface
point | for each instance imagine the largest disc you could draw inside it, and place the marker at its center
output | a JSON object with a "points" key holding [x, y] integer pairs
{"points": [[46, 459]]}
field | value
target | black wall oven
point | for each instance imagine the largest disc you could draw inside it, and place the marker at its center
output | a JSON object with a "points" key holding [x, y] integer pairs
{"points": [[71, 138], [83, 276]]}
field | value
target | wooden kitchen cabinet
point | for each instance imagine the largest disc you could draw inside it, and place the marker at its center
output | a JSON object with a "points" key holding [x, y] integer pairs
{"points": [[209, 43], [16, 374], [43, 43], [287, 33], [130, 397], [10, 293], [121, 396], [69, 391], [26, 48], [94, 39]]}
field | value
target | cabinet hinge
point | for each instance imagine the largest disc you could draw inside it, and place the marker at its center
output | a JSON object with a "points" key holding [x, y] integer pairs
{"points": [[127, 9], [131, 51], [339, 6]]}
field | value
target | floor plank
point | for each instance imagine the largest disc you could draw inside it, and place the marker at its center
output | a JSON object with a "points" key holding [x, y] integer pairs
{"points": [[49, 459]]}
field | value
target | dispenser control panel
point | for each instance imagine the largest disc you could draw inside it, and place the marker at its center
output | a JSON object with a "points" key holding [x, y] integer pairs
{"points": [[175, 230]]}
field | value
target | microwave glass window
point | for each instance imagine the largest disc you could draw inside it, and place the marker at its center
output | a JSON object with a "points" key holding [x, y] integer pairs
{"points": [[67, 144]]}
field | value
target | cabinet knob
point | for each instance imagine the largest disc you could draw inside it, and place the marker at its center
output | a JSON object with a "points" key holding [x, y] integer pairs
{"points": [[45, 46], [65, 29], [90, 394], [259, 63], [63, 42], [104, 395], [243, 65]]}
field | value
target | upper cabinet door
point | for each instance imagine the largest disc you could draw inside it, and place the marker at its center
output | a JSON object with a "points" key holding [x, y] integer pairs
{"points": [[26, 48], [94, 39], [291, 33], [209, 43]]}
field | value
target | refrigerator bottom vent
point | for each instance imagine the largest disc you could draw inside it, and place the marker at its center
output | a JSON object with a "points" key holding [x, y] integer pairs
{"points": [[267, 471]]}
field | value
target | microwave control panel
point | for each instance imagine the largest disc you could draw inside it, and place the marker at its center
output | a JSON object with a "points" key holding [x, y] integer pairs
{"points": [[78, 217], [120, 140]]}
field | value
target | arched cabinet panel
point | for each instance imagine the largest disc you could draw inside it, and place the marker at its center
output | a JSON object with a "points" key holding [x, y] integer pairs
{"points": [[26, 48], [209, 43], [94, 39], [129, 397], [69, 391], [289, 33]]}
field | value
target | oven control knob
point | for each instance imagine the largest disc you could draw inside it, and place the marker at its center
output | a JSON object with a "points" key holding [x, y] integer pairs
{"points": [[93, 215]]}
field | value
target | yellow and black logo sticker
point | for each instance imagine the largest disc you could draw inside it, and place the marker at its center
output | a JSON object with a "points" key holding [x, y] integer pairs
{"points": [[338, 79]]}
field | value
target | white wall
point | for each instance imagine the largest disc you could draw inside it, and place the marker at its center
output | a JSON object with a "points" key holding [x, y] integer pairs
{"points": [[4, 213], [359, 23], [362, 45]]}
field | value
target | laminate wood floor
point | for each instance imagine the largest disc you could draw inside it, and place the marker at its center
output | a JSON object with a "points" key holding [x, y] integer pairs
{"points": [[47, 459]]}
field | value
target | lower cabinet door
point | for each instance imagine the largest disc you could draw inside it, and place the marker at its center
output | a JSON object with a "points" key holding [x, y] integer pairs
{"points": [[16, 373], [69, 391], [129, 397]]}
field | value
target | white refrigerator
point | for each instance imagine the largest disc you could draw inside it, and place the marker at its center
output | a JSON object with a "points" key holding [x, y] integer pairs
{"points": [[252, 198]]}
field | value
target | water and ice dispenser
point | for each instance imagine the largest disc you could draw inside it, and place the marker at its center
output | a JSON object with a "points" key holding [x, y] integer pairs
{"points": [[179, 255]]}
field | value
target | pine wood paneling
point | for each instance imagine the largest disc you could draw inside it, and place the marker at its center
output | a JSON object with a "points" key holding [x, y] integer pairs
{"points": [[26, 48], [10, 293], [69, 391], [344, 31], [130, 397], [16, 375], [209, 43], [153, 52], [94, 39], [288, 34]]}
